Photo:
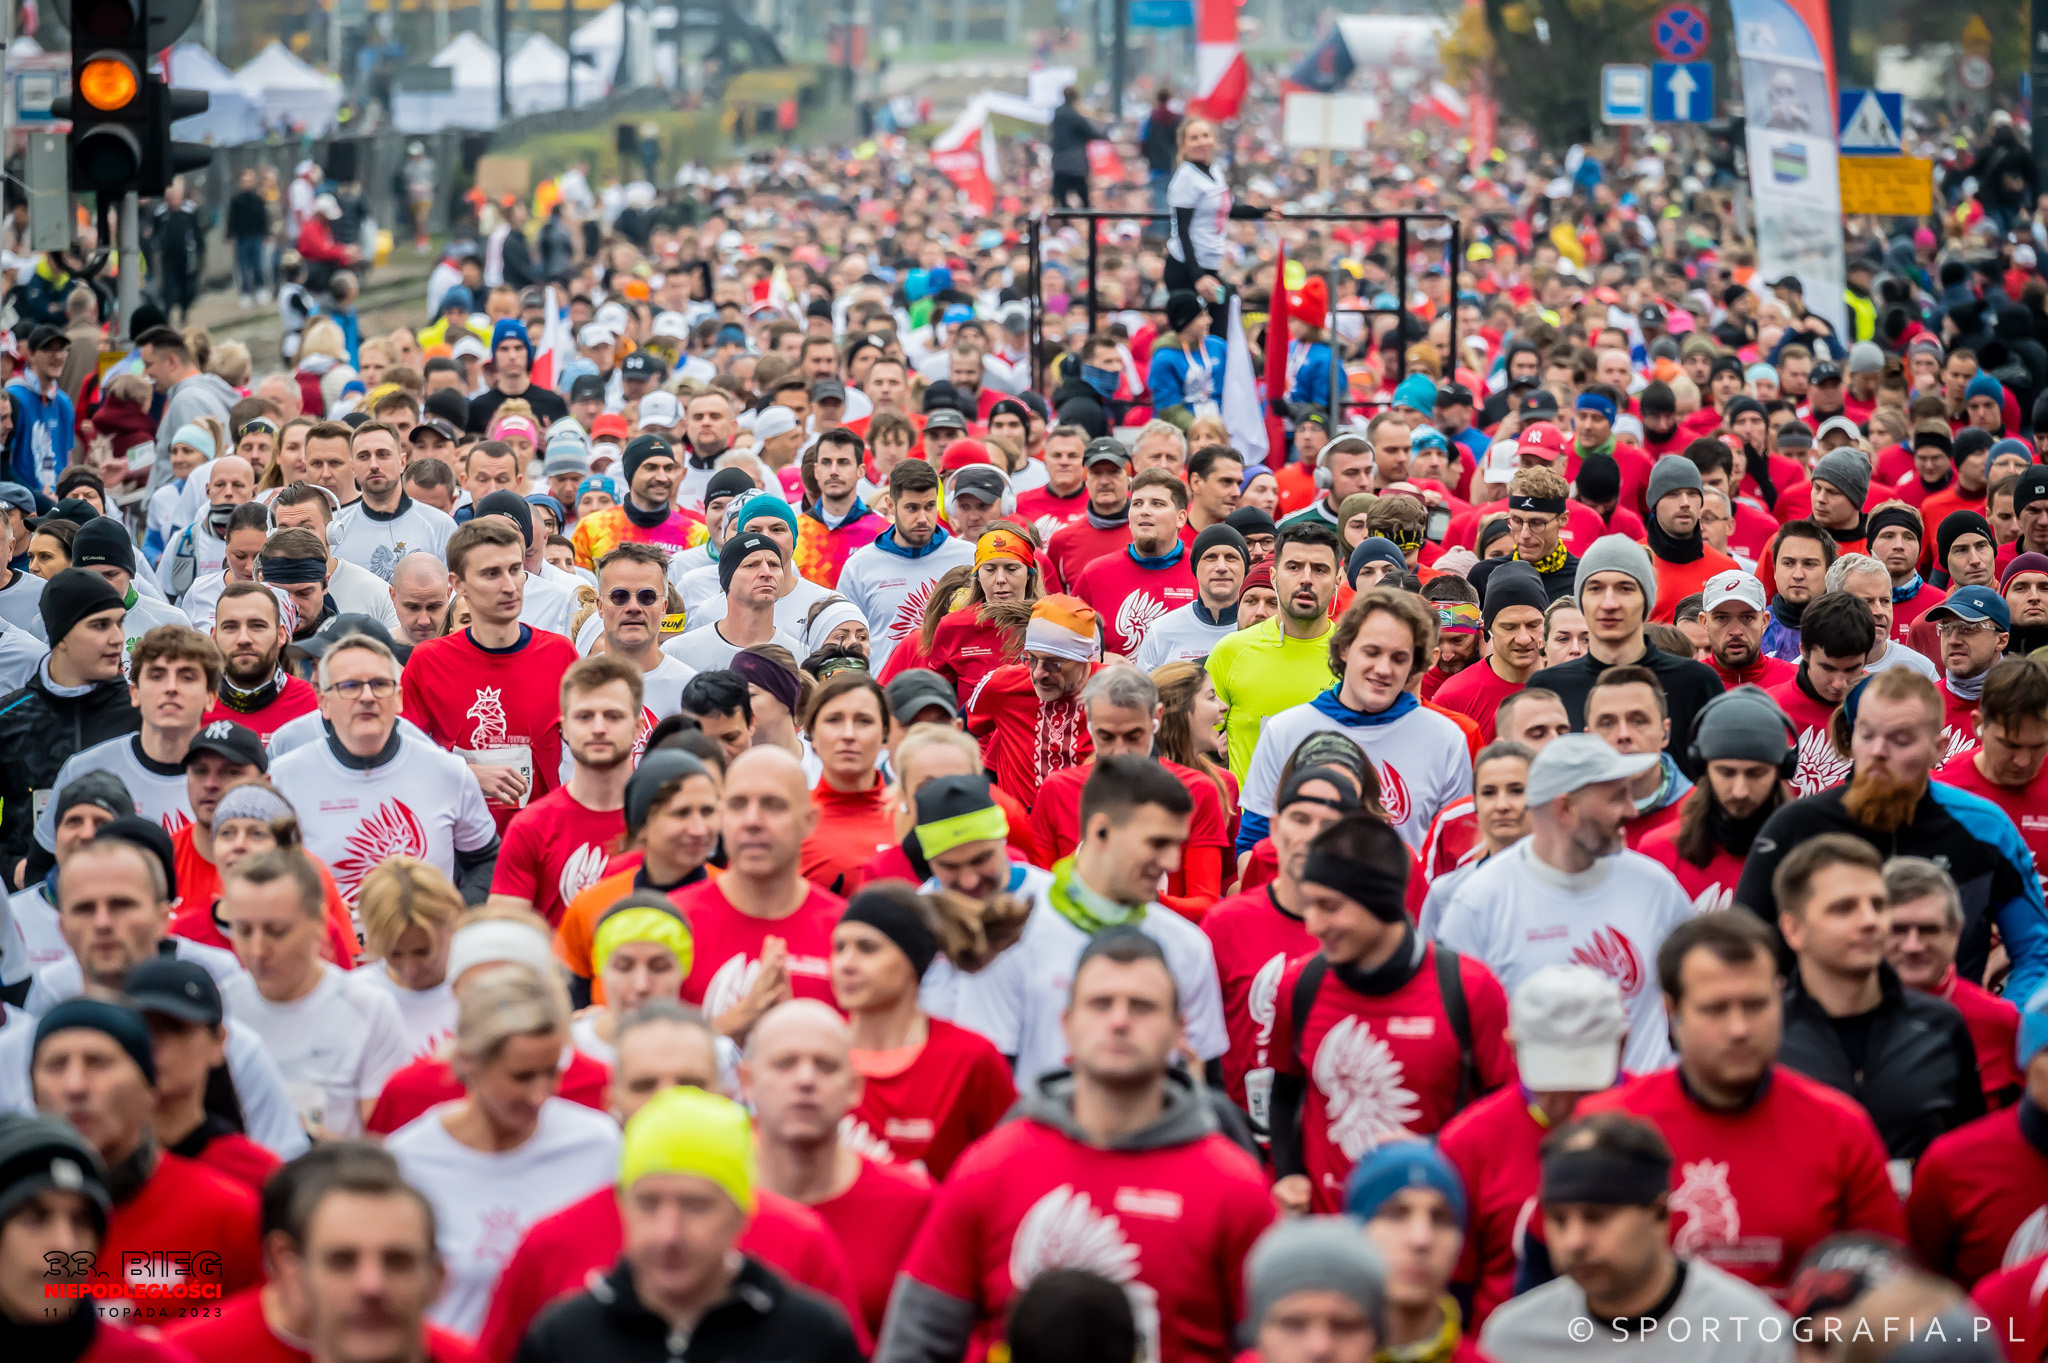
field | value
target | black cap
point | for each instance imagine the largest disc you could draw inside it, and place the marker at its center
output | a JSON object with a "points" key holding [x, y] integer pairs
{"points": [[47, 337], [729, 483], [819, 307], [236, 742], [341, 626], [945, 419], [1650, 315], [828, 390], [509, 504], [175, 988], [1105, 450], [103, 541], [641, 365], [587, 388], [1454, 395], [1538, 401], [919, 688], [149, 835], [890, 911], [951, 796], [1790, 281], [100, 789], [1827, 371]]}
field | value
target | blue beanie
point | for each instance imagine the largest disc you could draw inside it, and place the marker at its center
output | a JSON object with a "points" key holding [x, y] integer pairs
{"points": [[1984, 386], [511, 329], [765, 504], [1378, 1176], [458, 293], [598, 482], [1375, 549], [1417, 391]]}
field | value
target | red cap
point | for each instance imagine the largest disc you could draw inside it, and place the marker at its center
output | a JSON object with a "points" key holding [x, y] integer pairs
{"points": [[611, 424], [1311, 300], [961, 453], [1544, 441]]}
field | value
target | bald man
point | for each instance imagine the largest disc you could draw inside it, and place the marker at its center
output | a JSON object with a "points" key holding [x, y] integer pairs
{"points": [[419, 593], [280, 389], [799, 1077], [763, 932]]}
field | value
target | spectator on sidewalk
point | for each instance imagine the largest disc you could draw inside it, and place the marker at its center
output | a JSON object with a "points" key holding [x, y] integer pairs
{"points": [[177, 247], [248, 228]]}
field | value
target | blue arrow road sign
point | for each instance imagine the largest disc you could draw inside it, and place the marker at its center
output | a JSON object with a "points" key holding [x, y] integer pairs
{"points": [[1681, 92], [1870, 122], [1624, 93]]}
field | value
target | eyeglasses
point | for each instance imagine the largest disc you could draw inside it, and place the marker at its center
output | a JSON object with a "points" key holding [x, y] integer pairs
{"points": [[646, 596], [1518, 524], [380, 688], [1964, 629]]}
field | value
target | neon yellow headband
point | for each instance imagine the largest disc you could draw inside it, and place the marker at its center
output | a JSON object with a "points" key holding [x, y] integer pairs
{"points": [[642, 924], [977, 825]]}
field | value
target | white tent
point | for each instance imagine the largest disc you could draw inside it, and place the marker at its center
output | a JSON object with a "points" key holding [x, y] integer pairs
{"points": [[232, 115], [287, 90], [601, 37], [538, 70]]}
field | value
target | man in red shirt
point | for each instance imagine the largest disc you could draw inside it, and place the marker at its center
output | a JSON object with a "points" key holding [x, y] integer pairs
{"points": [[800, 1081], [1927, 926], [1150, 575], [763, 933], [1366, 1043], [557, 847], [248, 628], [1684, 560], [1116, 1168], [1766, 1162], [1972, 458], [1512, 618], [1974, 626], [1836, 635], [1895, 537], [1627, 711], [1567, 1024], [1104, 528], [1065, 497], [1745, 745], [2012, 733], [1733, 611], [491, 693], [1028, 716]]}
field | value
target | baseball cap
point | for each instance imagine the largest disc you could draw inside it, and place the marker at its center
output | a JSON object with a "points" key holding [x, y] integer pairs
{"points": [[1732, 584], [236, 742], [660, 409], [1546, 442], [945, 419], [18, 497], [671, 325], [1974, 604], [1105, 450], [470, 347], [595, 334], [77, 510], [587, 388], [175, 988], [772, 422], [1571, 762], [1567, 1022], [613, 317], [1454, 395], [1827, 371], [641, 365], [341, 626], [609, 425], [1539, 402], [981, 481], [828, 390], [442, 427], [919, 688], [1650, 315], [47, 337]]}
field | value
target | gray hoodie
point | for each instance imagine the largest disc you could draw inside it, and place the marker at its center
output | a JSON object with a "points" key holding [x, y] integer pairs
{"points": [[200, 395]]}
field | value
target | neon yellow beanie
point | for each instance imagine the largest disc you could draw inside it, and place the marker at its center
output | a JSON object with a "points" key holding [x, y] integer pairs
{"points": [[689, 1131]]}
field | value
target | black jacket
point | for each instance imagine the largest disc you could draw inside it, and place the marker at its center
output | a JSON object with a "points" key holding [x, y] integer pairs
{"points": [[1070, 135], [248, 215], [1161, 141], [1075, 403], [1688, 686], [763, 1320], [519, 271], [38, 731], [1919, 1072]]}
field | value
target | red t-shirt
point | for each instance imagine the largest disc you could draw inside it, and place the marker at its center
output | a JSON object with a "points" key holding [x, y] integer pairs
{"points": [[555, 849], [1172, 1224], [1128, 596], [1025, 740], [558, 1253], [1676, 581], [112, 1344], [2016, 1301], [728, 946], [1764, 672], [875, 1222], [1476, 693], [413, 1089], [240, 1332], [240, 1158], [1073, 547], [1453, 839], [1646, 825], [1711, 886], [1820, 766], [1938, 508], [924, 1113], [964, 650], [185, 1208], [1958, 720], [1755, 1188], [1056, 817], [1994, 1025], [294, 698], [1254, 939], [199, 894], [1980, 1199], [471, 699], [1379, 1066], [1046, 511], [2026, 806], [1493, 1145], [852, 827]]}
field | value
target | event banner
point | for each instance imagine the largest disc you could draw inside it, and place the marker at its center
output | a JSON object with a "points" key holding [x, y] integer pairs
{"points": [[1788, 87]]}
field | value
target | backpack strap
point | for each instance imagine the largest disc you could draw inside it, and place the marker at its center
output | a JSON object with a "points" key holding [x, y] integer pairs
{"points": [[1303, 999], [1451, 985]]}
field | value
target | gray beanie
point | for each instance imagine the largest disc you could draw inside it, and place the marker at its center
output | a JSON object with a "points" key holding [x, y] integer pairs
{"points": [[1866, 358], [1673, 473], [1620, 554], [1315, 1254], [1848, 470], [1742, 725]]}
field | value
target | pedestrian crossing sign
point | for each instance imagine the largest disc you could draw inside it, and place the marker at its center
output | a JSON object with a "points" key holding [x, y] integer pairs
{"points": [[1871, 121]]}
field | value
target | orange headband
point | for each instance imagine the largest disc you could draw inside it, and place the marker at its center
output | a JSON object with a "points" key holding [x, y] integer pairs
{"points": [[1004, 544]]}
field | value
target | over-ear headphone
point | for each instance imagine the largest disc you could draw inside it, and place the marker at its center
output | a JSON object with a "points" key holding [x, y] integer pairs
{"points": [[1353, 444], [1746, 695]]}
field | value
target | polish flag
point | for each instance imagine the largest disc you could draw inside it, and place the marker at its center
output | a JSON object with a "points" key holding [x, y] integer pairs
{"points": [[965, 154], [1221, 78], [1445, 103], [557, 342]]}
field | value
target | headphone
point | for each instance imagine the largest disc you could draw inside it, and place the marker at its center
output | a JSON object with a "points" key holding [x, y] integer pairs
{"points": [[1006, 505], [1358, 445], [1746, 695]]}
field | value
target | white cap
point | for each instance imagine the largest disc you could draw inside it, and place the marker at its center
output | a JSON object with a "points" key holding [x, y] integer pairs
{"points": [[471, 346], [2023, 257], [1568, 1023], [1838, 423], [612, 317], [661, 409], [1571, 762], [672, 325], [773, 421], [595, 334], [1503, 457], [1732, 584]]}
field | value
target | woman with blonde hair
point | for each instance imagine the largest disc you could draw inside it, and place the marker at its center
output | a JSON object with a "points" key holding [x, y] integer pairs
{"points": [[1199, 199], [323, 365], [409, 910], [288, 463]]}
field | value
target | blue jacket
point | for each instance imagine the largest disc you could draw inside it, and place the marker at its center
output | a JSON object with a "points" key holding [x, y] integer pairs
{"points": [[1168, 378], [43, 438], [1312, 379]]}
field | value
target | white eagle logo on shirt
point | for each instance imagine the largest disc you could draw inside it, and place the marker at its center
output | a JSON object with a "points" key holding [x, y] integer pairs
{"points": [[857, 1136], [1365, 1090], [1136, 615], [1956, 739], [583, 869], [1063, 1230], [2030, 1239], [1711, 1215], [1714, 898], [1820, 766], [393, 831], [1265, 995], [489, 714], [729, 984]]}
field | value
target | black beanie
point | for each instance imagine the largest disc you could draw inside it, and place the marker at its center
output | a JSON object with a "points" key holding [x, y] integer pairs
{"points": [[448, 404], [1250, 520], [639, 450], [1182, 307], [1657, 399], [888, 913], [1223, 535], [71, 596], [736, 551], [1740, 404], [1599, 479], [103, 541], [1513, 583], [123, 1024], [2031, 487], [1971, 440], [100, 789], [42, 1154], [729, 483], [148, 835], [1902, 516], [1954, 526], [507, 503]]}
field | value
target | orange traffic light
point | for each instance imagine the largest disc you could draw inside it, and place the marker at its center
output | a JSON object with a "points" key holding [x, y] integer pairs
{"points": [[108, 83]]}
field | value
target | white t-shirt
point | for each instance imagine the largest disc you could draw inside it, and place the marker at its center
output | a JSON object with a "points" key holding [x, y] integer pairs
{"points": [[699, 588], [147, 612], [1180, 635], [1518, 913], [336, 1045], [202, 603], [1421, 758], [891, 591], [708, 650], [358, 591], [661, 691], [21, 653], [61, 979], [312, 726], [29, 939], [548, 605], [428, 1014], [686, 561], [789, 611], [376, 542], [1897, 654], [422, 803], [21, 602], [485, 1202], [157, 788], [1017, 1001]]}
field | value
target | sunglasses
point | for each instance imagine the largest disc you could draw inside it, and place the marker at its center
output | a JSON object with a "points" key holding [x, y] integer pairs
{"points": [[646, 596]]}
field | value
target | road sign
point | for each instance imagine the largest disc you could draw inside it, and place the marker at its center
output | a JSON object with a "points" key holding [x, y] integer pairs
{"points": [[1975, 72], [1624, 93], [1681, 92], [1162, 14], [1890, 186], [1680, 32], [1870, 121]]}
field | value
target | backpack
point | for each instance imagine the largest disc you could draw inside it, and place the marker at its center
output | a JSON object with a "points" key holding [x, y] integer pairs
{"points": [[1450, 986]]}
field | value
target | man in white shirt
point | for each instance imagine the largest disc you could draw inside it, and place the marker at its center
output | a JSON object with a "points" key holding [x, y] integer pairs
{"points": [[1870, 582], [890, 581], [632, 596], [1572, 892], [547, 604], [751, 568], [29, 937], [385, 524], [336, 1040], [1220, 558], [766, 513], [248, 527], [355, 589]]}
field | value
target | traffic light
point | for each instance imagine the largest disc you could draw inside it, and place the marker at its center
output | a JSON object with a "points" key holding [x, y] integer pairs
{"points": [[121, 111]]}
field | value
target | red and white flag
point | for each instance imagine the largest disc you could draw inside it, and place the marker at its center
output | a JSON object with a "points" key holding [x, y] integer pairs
{"points": [[557, 342], [1444, 102], [1221, 77], [965, 153]]}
